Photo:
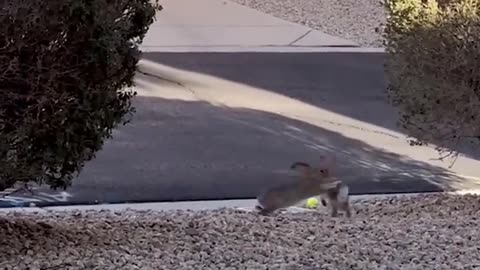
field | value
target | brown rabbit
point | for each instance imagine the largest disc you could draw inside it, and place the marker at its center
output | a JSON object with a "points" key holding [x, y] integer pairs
{"points": [[312, 182], [332, 190]]}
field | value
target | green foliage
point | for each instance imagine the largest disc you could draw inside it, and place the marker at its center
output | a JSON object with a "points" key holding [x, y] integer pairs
{"points": [[65, 69], [433, 69]]}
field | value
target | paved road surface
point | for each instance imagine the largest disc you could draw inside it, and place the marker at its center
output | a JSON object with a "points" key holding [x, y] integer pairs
{"points": [[191, 139]]}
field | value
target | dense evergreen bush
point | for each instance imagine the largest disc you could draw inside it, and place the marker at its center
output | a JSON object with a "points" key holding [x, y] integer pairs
{"points": [[433, 69], [65, 69]]}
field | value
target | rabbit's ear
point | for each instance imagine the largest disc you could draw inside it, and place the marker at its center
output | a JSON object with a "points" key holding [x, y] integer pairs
{"points": [[301, 167]]}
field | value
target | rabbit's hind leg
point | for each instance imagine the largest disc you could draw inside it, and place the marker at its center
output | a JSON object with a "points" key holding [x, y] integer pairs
{"points": [[263, 211], [346, 209], [333, 208]]}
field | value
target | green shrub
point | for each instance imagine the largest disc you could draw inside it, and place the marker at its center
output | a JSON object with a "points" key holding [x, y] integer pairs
{"points": [[65, 69], [433, 69]]}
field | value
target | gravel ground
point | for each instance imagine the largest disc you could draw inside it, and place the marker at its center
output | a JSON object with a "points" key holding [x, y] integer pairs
{"points": [[355, 20], [428, 232]]}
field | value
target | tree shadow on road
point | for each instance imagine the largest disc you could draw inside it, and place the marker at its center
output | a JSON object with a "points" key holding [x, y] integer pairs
{"points": [[180, 148], [183, 150], [347, 83], [176, 150]]}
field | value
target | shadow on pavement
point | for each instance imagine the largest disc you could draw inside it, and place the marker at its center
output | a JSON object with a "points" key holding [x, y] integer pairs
{"points": [[182, 150], [179, 148], [347, 83]]}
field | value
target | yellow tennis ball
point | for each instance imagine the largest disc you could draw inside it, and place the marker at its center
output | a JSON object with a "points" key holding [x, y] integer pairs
{"points": [[311, 203]]}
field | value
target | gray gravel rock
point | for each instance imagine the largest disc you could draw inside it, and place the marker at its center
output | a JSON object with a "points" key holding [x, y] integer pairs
{"points": [[422, 232], [356, 20]]}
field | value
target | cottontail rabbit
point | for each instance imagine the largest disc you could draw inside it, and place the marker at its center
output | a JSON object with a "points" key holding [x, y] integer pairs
{"points": [[312, 181]]}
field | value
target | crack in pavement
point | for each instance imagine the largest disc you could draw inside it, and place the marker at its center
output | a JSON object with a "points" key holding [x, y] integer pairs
{"points": [[170, 81], [352, 126], [195, 94], [300, 37], [362, 129]]}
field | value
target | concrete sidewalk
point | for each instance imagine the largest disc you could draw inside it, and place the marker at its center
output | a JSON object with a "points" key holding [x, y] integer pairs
{"points": [[193, 25]]}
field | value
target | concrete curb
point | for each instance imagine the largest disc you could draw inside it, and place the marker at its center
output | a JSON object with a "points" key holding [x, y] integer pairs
{"points": [[246, 205]]}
